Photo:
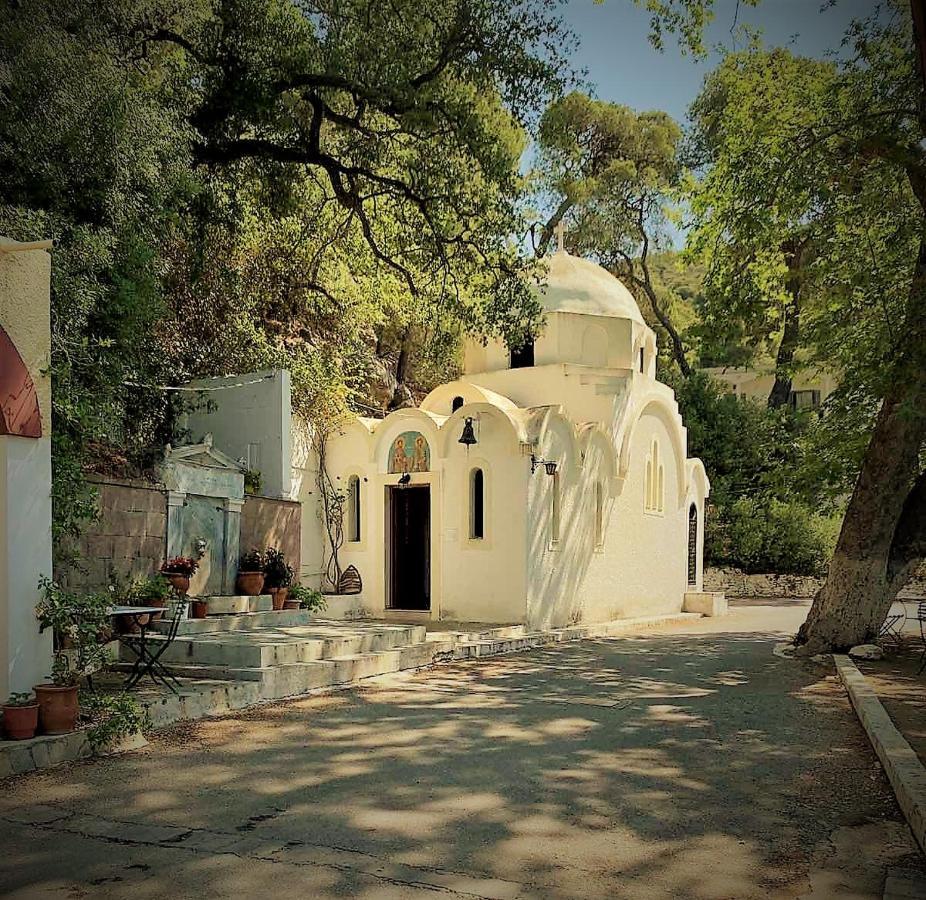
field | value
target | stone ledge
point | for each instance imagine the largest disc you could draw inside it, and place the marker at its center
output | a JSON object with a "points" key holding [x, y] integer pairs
{"points": [[20, 757], [904, 770], [707, 603]]}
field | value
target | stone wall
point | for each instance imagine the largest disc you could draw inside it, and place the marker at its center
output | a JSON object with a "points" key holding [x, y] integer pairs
{"points": [[272, 523], [130, 535], [737, 584]]}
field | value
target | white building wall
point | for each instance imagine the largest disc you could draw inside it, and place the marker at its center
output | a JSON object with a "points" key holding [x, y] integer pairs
{"points": [[25, 479], [484, 580], [642, 570], [252, 422]]}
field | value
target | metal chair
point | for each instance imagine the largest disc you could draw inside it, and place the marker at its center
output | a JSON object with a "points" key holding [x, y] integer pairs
{"points": [[148, 662], [892, 628], [921, 618]]}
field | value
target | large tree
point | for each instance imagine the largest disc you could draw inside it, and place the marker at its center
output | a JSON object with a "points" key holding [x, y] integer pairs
{"points": [[611, 173], [257, 182], [758, 254], [843, 156]]}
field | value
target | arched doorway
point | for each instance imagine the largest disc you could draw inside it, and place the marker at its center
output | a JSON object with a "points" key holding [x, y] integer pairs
{"points": [[693, 545]]}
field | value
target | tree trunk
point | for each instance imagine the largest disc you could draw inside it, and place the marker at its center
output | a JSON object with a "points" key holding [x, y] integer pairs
{"points": [[791, 333], [882, 533], [401, 393], [675, 339]]}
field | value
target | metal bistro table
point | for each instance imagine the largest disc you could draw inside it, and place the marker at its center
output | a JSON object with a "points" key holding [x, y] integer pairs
{"points": [[148, 662]]}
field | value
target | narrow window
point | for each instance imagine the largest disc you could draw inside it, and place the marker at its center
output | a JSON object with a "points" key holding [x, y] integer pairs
{"points": [[693, 545], [554, 510], [353, 509], [599, 515], [641, 360], [654, 481], [523, 357], [455, 404], [476, 505]]}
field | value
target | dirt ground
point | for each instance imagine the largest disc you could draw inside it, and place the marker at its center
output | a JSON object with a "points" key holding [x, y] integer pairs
{"points": [[689, 763]]}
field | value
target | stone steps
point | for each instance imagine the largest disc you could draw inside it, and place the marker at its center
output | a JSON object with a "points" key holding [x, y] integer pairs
{"points": [[250, 621], [215, 689], [238, 604], [284, 645]]}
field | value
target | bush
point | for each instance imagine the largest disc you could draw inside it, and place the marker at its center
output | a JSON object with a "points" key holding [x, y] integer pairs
{"points": [[765, 534]]}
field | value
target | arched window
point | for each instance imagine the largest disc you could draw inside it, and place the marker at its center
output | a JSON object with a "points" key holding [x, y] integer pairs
{"points": [[522, 357], [654, 481], [476, 505], [455, 404], [599, 515], [554, 509], [693, 545], [353, 509]]}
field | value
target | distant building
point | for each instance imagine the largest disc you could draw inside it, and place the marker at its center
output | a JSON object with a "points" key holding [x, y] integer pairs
{"points": [[808, 388]]}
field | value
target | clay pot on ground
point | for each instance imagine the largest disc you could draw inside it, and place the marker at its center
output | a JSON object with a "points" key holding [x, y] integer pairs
{"points": [[130, 624], [290, 604], [57, 708], [199, 609], [279, 596], [250, 583], [20, 722]]}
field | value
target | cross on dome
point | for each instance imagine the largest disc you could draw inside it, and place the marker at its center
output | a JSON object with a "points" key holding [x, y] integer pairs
{"points": [[560, 232]]}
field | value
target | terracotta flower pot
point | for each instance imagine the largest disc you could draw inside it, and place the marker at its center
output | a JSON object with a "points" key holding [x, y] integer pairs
{"points": [[57, 708], [20, 722], [131, 624], [279, 596], [199, 609], [290, 604], [180, 583], [250, 583]]}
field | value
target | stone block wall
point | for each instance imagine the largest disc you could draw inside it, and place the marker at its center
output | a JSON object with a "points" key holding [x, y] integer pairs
{"points": [[737, 584], [272, 523], [130, 535]]}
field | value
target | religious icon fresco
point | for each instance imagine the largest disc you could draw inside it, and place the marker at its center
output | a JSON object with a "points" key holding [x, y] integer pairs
{"points": [[410, 453]]}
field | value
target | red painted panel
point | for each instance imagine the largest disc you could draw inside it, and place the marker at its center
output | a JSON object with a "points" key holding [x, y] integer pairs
{"points": [[19, 405]]}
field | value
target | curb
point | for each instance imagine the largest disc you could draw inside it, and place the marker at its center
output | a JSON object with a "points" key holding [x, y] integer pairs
{"points": [[905, 772]]}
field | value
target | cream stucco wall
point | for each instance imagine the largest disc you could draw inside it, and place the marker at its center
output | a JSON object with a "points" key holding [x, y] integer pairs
{"points": [[25, 477]]}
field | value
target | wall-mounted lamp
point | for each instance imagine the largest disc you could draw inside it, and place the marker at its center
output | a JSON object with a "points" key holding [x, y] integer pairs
{"points": [[405, 479], [468, 438], [548, 464]]}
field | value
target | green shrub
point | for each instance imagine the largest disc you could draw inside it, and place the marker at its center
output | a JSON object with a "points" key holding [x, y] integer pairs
{"points": [[309, 598], [765, 534]]}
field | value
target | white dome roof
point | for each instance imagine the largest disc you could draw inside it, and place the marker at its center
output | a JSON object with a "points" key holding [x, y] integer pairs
{"points": [[577, 285]]}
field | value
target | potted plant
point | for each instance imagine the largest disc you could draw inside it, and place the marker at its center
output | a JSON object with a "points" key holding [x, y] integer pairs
{"points": [[76, 620], [20, 717], [199, 608], [278, 576], [178, 572], [306, 598], [251, 573]]}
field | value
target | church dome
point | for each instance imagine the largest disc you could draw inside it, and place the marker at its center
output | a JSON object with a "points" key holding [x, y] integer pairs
{"points": [[577, 285]]}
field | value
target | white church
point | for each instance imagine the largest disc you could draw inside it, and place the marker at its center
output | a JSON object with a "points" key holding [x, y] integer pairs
{"points": [[549, 485]]}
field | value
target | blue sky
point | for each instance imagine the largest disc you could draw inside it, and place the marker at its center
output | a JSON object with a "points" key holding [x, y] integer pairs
{"points": [[623, 67]]}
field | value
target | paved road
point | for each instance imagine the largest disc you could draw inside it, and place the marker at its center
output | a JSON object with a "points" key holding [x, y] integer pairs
{"points": [[685, 764]]}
